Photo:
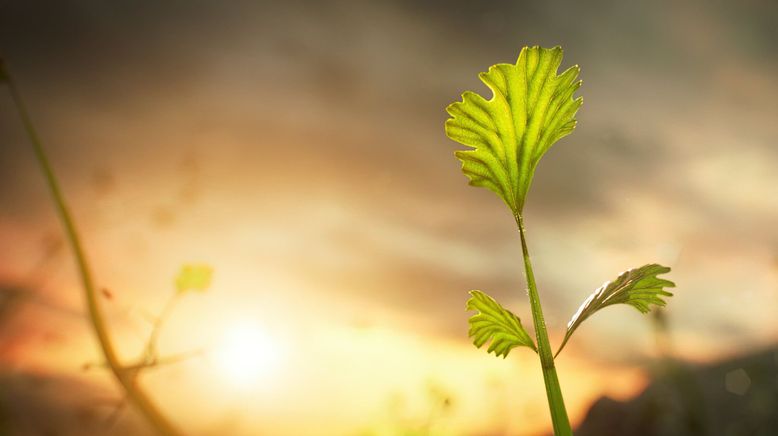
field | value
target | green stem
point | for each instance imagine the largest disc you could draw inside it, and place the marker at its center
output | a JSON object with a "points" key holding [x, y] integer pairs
{"points": [[127, 379], [556, 403], [150, 352]]}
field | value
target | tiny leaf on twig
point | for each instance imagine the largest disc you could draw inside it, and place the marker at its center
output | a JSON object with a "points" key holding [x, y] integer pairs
{"points": [[638, 287], [495, 323], [194, 278]]}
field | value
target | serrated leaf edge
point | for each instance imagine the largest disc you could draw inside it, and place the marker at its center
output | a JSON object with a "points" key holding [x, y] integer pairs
{"points": [[620, 293], [508, 321]]}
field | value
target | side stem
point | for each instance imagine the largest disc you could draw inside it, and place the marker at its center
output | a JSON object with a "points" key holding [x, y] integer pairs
{"points": [[127, 379], [556, 403]]}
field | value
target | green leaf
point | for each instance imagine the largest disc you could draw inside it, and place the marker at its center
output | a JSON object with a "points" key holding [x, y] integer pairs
{"points": [[531, 108], [495, 323], [638, 287], [194, 278]]}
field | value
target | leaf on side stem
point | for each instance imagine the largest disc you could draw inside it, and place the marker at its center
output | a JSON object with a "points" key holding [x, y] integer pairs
{"points": [[638, 287], [495, 323]]}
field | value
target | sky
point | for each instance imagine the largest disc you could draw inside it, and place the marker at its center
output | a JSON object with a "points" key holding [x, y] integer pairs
{"points": [[298, 148]]}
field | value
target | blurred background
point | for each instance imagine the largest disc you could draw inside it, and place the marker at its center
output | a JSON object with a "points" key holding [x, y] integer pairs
{"points": [[298, 148]]}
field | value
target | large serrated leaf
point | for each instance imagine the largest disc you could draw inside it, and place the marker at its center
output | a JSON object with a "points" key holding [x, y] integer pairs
{"points": [[531, 108], [638, 287], [495, 323]]}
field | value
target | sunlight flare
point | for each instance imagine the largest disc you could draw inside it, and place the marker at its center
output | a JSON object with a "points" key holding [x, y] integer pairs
{"points": [[247, 355]]}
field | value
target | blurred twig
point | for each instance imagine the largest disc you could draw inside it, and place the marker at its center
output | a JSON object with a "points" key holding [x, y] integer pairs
{"points": [[125, 378]]}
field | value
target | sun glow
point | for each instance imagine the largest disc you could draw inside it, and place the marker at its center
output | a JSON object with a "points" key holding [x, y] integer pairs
{"points": [[247, 355]]}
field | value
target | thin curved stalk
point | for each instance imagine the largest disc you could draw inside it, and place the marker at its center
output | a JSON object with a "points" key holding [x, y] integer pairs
{"points": [[556, 403], [127, 379]]}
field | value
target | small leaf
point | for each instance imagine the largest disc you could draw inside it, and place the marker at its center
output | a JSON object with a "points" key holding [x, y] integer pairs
{"points": [[194, 278], [497, 324], [531, 108], [638, 287]]}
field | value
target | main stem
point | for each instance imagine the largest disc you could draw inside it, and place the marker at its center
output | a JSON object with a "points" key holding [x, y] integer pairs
{"points": [[127, 379], [556, 403]]}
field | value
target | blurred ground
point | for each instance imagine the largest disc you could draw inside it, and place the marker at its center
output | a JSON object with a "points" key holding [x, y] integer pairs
{"points": [[32, 404], [733, 397]]}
